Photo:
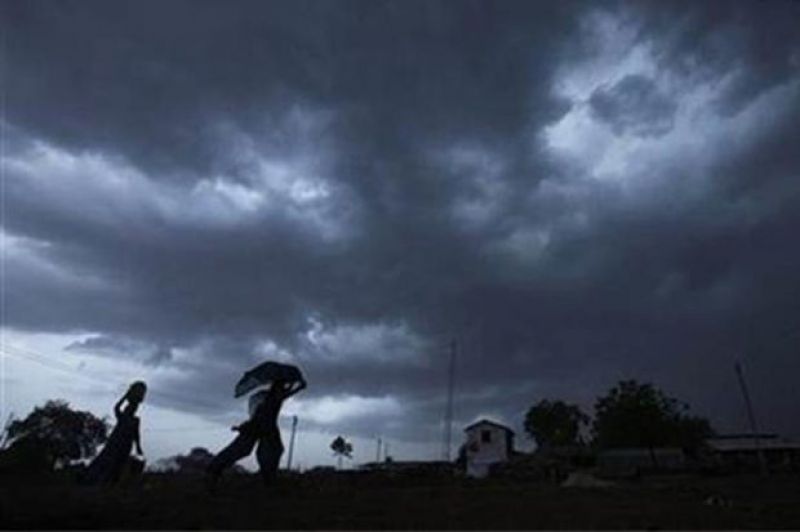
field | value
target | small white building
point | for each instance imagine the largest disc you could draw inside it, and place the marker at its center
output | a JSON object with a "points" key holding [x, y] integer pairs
{"points": [[487, 443]]}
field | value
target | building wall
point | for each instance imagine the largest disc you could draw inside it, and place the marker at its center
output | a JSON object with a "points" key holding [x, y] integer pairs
{"points": [[486, 445]]}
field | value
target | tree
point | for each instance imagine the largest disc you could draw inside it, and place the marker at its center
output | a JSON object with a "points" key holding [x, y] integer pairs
{"points": [[554, 423], [341, 449], [640, 415], [57, 434]]}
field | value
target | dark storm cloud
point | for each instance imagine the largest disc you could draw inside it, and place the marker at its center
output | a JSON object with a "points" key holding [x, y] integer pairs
{"points": [[755, 43], [348, 185], [147, 82], [634, 104]]}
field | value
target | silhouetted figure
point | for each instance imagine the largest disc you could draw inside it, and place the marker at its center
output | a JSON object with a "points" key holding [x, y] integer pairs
{"points": [[262, 429], [107, 467]]}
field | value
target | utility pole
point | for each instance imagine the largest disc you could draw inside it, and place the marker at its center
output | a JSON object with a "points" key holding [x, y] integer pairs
{"points": [[378, 452], [751, 416], [4, 436], [291, 444], [448, 414]]}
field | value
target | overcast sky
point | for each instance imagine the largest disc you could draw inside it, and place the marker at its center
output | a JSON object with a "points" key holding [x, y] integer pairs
{"points": [[577, 193]]}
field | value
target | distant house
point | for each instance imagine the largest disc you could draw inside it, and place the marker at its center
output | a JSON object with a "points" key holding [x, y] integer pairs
{"points": [[487, 443], [740, 451]]}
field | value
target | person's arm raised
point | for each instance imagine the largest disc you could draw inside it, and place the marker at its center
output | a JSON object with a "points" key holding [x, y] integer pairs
{"points": [[118, 406]]}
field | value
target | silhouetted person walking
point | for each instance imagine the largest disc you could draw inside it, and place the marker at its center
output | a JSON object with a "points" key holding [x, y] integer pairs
{"points": [[107, 466], [262, 429]]}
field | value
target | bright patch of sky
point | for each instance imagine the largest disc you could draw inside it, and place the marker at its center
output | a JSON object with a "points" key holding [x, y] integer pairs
{"points": [[645, 166], [330, 410], [285, 166], [379, 342], [37, 368], [114, 191]]}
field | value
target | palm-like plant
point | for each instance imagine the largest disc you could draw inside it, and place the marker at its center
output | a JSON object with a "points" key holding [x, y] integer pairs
{"points": [[341, 449]]}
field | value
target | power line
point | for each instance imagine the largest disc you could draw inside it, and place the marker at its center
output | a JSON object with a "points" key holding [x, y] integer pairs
{"points": [[751, 417], [50, 362], [53, 364], [110, 386]]}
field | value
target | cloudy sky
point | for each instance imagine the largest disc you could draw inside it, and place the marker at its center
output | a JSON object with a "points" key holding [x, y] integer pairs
{"points": [[577, 193]]}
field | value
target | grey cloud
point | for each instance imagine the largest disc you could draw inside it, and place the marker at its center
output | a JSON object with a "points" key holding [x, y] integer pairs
{"points": [[156, 83], [122, 347], [635, 105], [152, 105], [755, 43]]}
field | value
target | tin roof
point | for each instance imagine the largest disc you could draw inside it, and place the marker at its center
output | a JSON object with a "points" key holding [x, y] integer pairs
{"points": [[485, 421], [749, 443]]}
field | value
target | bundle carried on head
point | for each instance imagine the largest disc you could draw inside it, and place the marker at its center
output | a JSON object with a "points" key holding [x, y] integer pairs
{"points": [[137, 391]]}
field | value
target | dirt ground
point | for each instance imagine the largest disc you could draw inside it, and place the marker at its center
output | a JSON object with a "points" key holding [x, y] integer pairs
{"points": [[170, 501]]}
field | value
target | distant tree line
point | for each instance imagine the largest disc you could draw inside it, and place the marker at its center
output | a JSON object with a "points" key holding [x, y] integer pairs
{"points": [[52, 436], [631, 414]]}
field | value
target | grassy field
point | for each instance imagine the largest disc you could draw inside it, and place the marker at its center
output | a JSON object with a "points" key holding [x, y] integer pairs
{"points": [[171, 501]]}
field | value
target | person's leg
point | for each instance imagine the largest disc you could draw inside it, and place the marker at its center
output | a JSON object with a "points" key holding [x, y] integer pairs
{"points": [[268, 455], [121, 462], [240, 447]]}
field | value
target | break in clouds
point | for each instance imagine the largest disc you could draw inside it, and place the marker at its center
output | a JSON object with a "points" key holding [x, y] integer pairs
{"points": [[578, 193]]}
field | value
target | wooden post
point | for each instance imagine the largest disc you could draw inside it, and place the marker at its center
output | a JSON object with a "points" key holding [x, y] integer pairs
{"points": [[291, 444], [751, 416]]}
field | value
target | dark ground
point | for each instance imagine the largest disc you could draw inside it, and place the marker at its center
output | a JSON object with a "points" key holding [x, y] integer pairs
{"points": [[171, 501]]}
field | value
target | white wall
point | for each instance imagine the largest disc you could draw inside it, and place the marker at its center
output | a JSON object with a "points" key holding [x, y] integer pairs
{"points": [[480, 453]]}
